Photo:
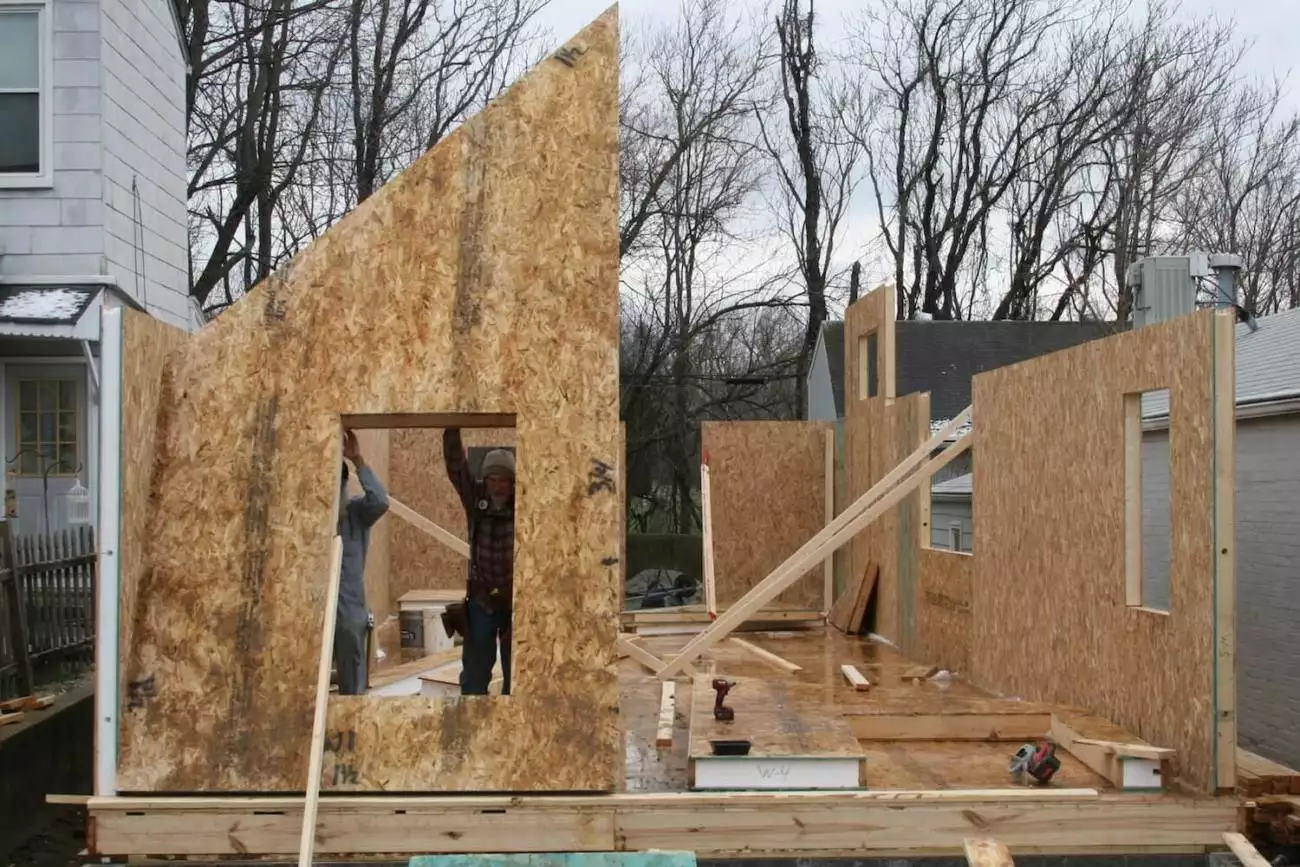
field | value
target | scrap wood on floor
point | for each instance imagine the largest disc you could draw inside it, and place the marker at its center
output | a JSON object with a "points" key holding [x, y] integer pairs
{"points": [[26, 702]]}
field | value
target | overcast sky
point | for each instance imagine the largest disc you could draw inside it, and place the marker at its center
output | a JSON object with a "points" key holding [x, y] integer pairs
{"points": [[1272, 25]]}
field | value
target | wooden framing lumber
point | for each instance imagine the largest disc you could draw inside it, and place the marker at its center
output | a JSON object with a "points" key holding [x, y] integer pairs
{"points": [[884, 495], [739, 824], [986, 852], [768, 656], [828, 565], [1245, 851], [667, 713], [308, 838], [856, 680], [1257, 775], [1225, 551], [1125, 765], [629, 646], [397, 420], [706, 512], [419, 522], [11, 718]]}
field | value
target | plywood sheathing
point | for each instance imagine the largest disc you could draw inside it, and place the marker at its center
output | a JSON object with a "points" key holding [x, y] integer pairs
{"points": [[148, 352], [1049, 620], [768, 485], [943, 608], [419, 479], [879, 433], [482, 279]]}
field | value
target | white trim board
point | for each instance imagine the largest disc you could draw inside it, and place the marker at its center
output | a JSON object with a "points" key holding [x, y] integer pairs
{"points": [[769, 773], [108, 536]]}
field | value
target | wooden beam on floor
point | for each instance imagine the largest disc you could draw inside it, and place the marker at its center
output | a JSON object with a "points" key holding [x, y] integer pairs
{"points": [[872, 726], [768, 656], [739, 824], [667, 714], [856, 679], [645, 657], [986, 852], [1245, 851], [910, 473]]}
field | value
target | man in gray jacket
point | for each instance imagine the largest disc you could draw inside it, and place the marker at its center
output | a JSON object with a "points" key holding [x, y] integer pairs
{"points": [[356, 516]]}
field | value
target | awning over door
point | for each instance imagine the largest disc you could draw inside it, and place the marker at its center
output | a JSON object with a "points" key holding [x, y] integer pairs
{"points": [[51, 310]]}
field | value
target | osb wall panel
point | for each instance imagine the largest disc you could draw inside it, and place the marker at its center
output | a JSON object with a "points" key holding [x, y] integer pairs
{"points": [[943, 609], [767, 481], [419, 479], [482, 279], [147, 346], [1049, 616], [880, 432]]}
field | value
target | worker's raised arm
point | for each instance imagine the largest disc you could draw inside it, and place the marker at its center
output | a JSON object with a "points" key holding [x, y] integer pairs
{"points": [[453, 455], [374, 501]]}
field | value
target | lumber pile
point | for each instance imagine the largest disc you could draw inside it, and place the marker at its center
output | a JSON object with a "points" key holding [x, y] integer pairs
{"points": [[1257, 775], [12, 710]]}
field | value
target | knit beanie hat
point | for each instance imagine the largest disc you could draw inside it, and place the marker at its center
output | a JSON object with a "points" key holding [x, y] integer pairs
{"points": [[499, 460]]}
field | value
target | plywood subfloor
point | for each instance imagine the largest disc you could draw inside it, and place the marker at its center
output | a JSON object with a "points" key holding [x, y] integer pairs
{"points": [[770, 715], [820, 687]]}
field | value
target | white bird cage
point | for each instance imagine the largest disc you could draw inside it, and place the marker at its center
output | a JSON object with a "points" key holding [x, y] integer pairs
{"points": [[77, 503]]}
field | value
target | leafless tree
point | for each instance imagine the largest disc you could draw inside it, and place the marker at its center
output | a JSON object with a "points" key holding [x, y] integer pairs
{"points": [[1246, 197], [815, 166]]}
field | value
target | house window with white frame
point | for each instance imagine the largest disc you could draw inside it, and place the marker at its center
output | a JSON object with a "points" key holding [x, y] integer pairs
{"points": [[24, 92], [47, 427]]}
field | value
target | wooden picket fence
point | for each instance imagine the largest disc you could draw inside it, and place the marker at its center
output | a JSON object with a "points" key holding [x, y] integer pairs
{"points": [[47, 606]]}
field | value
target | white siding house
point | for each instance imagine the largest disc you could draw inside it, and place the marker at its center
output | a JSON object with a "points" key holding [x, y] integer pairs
{"points": [[92, 216]]}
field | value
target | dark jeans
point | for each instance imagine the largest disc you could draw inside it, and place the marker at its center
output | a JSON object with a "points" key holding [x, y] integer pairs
{"points": [[479, 652], [350, 656]]}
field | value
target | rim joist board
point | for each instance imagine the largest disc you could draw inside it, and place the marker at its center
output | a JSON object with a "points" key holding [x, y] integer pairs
{"points": [[481, 280]]}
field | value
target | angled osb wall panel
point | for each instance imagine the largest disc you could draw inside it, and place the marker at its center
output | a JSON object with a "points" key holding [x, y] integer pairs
{"points": [[943, 609], [419, 479], [148, 347], [482, 279], [767, 481], [1049, 615]]}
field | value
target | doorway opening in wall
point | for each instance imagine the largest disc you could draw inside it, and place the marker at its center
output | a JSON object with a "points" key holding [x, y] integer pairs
{"points": [[423, 491], [1147, 487]]}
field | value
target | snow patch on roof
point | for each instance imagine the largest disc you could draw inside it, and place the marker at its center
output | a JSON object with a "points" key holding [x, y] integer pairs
{"points": [[940, 424], [49, 304]]}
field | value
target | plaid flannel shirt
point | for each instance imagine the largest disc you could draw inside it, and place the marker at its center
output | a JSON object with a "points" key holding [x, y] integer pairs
{"points": [[491, 535]]}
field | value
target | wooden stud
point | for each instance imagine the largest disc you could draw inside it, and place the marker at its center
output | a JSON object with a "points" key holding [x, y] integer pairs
{"points": [[317, 756], [768, 656], [1225, 551], [828, 566], [1245, 851], [986, 852], [855, 678], [667, 713], [419, 522], [888, 492], [706, 510]]}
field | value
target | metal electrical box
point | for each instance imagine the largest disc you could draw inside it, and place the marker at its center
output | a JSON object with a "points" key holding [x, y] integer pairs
{"points": [[1164, 287]]}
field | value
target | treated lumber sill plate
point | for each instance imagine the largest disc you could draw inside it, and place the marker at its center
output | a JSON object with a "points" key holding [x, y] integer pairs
{"points": [[750, 824]]}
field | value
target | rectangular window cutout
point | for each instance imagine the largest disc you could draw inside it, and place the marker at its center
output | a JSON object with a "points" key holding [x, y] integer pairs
{"points": [[392, 638], [868, 385], [1147, 487], [948, 524]]}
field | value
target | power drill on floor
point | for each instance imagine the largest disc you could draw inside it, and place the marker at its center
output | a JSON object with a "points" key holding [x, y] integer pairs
{"points": [[1038, 763]]}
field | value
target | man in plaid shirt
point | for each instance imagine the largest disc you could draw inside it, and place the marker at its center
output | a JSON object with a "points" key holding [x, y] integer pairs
{"points": [[490, 515]]}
